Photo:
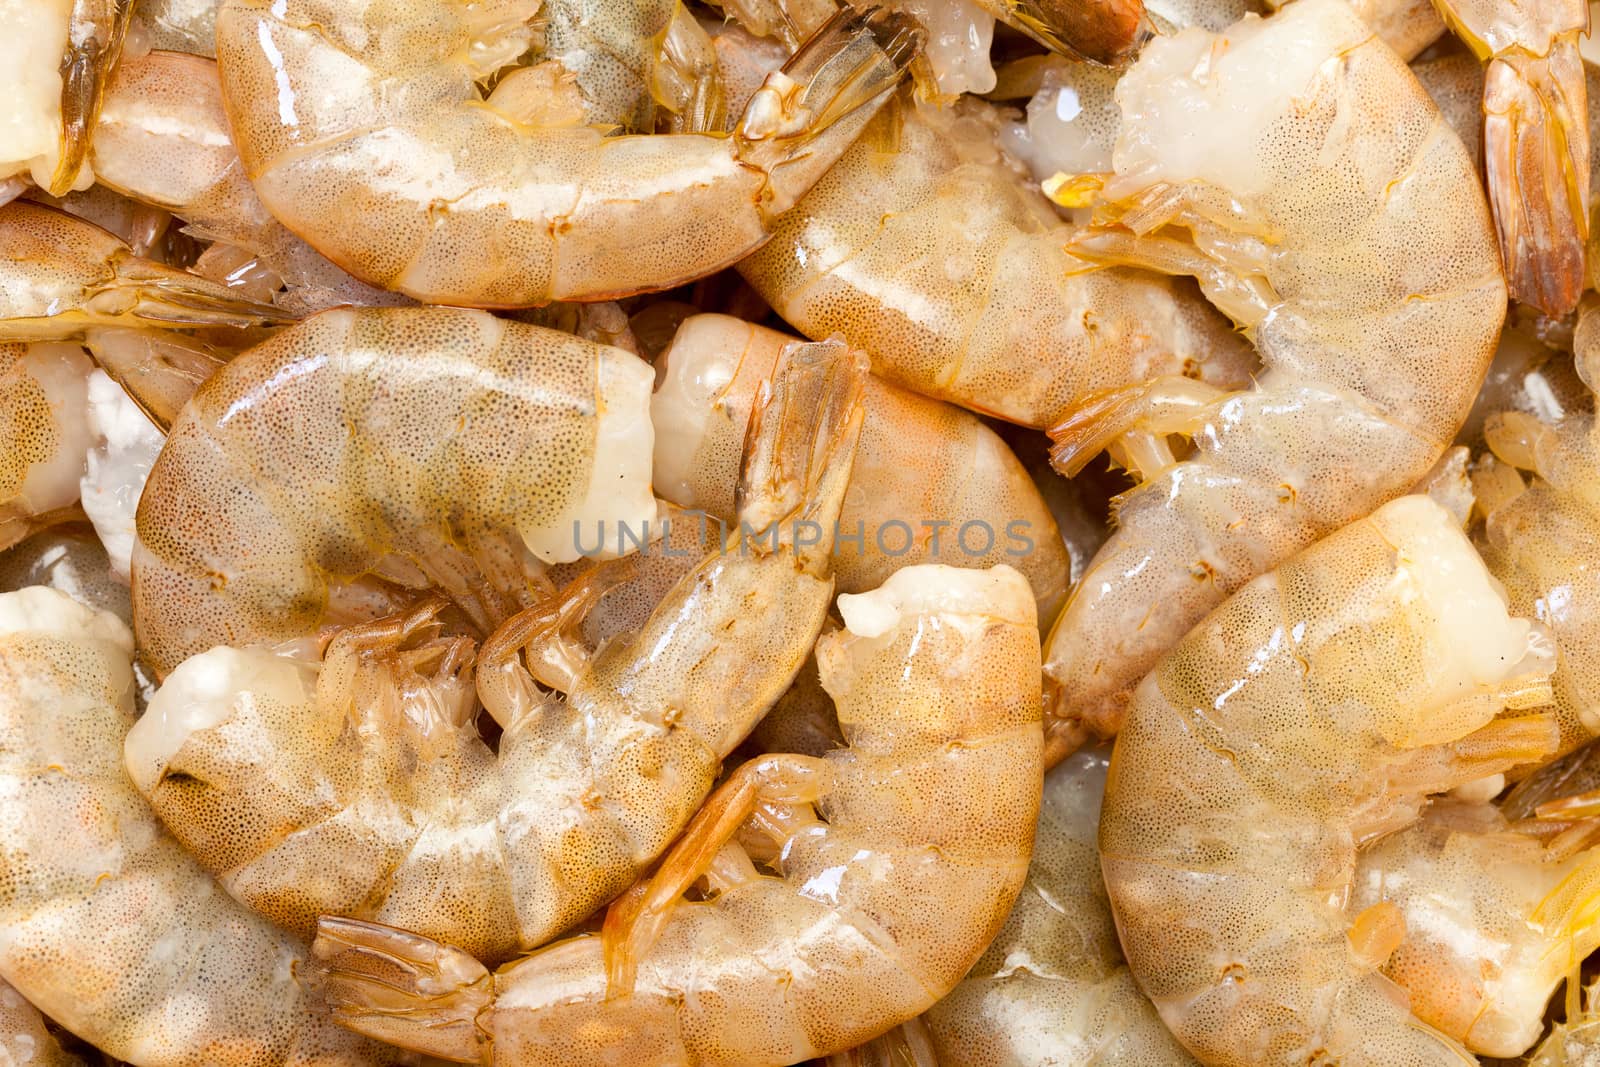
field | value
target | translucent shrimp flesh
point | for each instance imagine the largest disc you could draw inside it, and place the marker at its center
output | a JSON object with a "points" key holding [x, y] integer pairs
{"points": [[897, 859], [44, 435], [931, 483], [1332, 213], [926, 248], [426, 447], [363, 788], [25, 1041], [429, 189], [106, 924], [1313, 712]]}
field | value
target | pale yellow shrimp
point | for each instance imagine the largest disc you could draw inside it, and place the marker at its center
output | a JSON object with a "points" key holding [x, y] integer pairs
{"points": [[1333, 214], [931, 483], [926, 248], [60, 276], [1313, 712], [1575, 1041], [1496, 914], [429, 189], [422, 446], [25, 1041], [163, 139], [1538, 540], [44, 435], [897, 859], [68, 558], [106, 924], [1052, 988], [58, 55], [381, 801], [1535, 139]]}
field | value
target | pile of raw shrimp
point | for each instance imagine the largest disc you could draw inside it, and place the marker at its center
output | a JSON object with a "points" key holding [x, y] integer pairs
{"points": [[735, 533]]}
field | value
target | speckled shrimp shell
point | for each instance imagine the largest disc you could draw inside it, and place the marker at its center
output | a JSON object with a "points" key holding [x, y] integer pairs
{"points": [[926, 249], [427, 188], [121, 937], [362, 788], [1314, 711], [897, 859], [921, 465], [426, 446], [1332, 213]]}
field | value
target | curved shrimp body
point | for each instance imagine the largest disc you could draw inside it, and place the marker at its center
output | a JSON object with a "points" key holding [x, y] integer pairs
{"points": [[106, 924], [1052, 988], [163, 139], [24, 1039], [921, 466], [426, 446], [1535, 139], [1334, 215], [58, 55], [61, 276], [45, 434], [1494, 920], [380, 800], [898, 858], [925, 249], [1101, 31], [1313, 711], [427, 188]]}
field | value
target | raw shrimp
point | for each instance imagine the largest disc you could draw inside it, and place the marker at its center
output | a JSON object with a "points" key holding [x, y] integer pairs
{"points": [[163, 139], [1313, 712], [68, 558], [1494, 919], [1052, 989], [24, 1040], [926, 248], [380, 800], [1574, 1042], [60, 276], [106, 924], [429, 189], [58, 55], [931, 483], [1539, 540], [1333, 214], [1101, 31], [425, 446], [175, 26], [899, 857], [44, 435], [1535, 139], [124, 445]]}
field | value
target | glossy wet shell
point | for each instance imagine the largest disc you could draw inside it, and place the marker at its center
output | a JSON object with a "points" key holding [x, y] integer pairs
{"points": [[361, 438]]}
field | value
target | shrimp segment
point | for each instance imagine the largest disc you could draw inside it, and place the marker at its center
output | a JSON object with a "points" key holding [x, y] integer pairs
{"points": [[381, 801], [44, 433], [95, 32], [60, 276], [925, 248], [930, 483], [898, 858], [425, 446], [1333, 214], [24, 1040], [106, 924], [426, 188], [1314, 711], [1535, 139]]}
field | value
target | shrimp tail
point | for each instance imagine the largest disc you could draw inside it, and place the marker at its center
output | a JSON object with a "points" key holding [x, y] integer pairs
{"points": [[94, 44], [1536, 153], [160, 370], [635, 920], [402, 988], [1159, 406], [1107, 32], [145, 293], [800, 449], [804, 116]]}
